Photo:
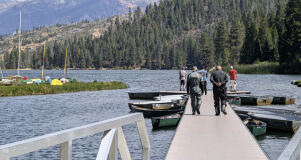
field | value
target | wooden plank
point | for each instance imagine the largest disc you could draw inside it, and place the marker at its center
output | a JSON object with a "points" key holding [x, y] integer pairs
{"points": [[210, 137]]}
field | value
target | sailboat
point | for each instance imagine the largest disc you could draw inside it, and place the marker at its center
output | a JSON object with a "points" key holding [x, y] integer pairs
{"points": [[18, 77]]}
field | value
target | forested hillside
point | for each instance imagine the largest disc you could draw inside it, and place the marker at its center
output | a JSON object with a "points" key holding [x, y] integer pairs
{"points": [[179, 33]]}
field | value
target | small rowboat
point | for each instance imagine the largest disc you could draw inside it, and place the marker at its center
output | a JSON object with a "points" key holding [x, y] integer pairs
{"points": [[143, 95], [152, 104], [256, 127], [284, 100], [148, 113], [164, 104], [235, 101], [166, 121]]}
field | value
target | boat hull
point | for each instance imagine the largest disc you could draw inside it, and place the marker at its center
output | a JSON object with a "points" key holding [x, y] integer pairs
{"points": [[143, 95], [148, 113], [166, 121], [256, 127]]}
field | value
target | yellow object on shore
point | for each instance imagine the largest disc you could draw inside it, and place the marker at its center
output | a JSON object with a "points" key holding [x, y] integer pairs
{"points": [[56, 82], [36, 80]]}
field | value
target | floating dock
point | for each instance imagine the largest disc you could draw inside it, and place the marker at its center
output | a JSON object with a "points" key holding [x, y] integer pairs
{"points": [[210, 137], [239, 92]]}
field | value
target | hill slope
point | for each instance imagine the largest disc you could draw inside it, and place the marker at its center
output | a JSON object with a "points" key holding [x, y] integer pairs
{"points": [[48, 12]]}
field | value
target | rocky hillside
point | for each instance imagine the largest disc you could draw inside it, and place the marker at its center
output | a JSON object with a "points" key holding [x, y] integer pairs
{"points": [[32, 39], [48, 12]]}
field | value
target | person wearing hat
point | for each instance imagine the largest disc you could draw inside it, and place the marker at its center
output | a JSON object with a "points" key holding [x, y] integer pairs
{"points": [[194, 90], [233, 84], [219, 80], [182, 74]]}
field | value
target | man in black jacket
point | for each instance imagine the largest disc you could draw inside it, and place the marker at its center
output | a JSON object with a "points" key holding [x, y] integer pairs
{"points": [[219, 80]]}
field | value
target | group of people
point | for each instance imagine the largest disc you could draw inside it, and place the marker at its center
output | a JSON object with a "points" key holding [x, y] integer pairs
{"points": [[196, 86]]}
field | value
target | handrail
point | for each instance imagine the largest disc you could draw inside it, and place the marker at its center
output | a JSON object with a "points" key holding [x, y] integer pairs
{"points": [[292, 150], [65, 137]]}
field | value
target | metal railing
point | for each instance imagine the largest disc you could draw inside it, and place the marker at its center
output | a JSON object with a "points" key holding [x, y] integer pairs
{"points": [[113, 138], [292, 150]]}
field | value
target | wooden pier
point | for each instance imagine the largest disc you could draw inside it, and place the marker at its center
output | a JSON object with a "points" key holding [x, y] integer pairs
{"points": [[210, 137]]}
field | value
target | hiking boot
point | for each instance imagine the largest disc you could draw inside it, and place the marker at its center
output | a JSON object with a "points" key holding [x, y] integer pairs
{"points": [[198, 111], [224, 111], [217, 114]]}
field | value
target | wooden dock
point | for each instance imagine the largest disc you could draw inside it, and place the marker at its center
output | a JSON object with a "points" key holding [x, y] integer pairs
{"points": [[210, 137]]}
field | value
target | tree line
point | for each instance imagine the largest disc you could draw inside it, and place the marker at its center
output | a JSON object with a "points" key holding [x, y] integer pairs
{"points": [[179, 33]]}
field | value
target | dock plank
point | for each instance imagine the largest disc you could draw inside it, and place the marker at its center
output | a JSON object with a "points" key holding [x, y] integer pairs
{"points": [[210, 137]]}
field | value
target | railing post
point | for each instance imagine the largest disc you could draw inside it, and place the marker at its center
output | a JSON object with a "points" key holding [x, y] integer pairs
{"points": [[144, 139], [107, 148], [113, 154], [66, 150], [122, 146]]}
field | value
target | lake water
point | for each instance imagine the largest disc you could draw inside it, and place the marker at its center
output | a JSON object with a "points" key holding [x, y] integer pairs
{"points": [[30, 116]]}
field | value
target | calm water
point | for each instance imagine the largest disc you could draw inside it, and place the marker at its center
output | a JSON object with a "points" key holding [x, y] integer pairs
{"points": [[29, 116]]}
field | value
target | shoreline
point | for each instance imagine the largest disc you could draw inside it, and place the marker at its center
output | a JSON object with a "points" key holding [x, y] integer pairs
{"points": [[44, 89]]}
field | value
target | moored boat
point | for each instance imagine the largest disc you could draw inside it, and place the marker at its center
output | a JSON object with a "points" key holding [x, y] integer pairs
{"points": [[143, 95], [152, 104], [277, 122], [283, 100], [238, 92], [171, 97], [166, 121], [235, 101], [256, 127], [148, 113]]}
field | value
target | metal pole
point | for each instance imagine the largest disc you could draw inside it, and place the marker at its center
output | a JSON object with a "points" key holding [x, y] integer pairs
{"points": [[19, 44], [43, 60], [65, 69], [1, 72]]}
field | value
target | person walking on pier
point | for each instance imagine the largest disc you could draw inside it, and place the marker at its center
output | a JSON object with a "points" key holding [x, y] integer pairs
{"points": [[194, 90], [182, 78], [233, 77], [219, 80], [204, 74]]}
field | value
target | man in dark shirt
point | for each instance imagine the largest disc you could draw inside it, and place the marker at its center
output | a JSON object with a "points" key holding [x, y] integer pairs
{"points": [[219, 80]]}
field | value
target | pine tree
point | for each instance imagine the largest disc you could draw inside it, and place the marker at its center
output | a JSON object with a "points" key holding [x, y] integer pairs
{"points": [[235, 41], [221, 44], [290, 42], [206, 51]]}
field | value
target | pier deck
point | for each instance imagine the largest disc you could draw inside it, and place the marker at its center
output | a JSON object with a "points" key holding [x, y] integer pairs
{"points": [[210, 137]]}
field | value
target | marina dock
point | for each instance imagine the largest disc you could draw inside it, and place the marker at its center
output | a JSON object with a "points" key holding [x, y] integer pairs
{"points": [[210, 137]]}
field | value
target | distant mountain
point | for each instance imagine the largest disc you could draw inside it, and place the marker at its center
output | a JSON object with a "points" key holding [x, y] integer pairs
{"points": [[47, 12]]}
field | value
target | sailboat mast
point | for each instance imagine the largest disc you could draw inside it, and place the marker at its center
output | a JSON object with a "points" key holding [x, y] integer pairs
{"points": [[1, 72], [43, 66], [19, 45], [65, 69]]}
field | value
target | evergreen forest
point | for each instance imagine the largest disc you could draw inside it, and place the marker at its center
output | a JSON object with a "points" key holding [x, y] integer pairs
{"points": [[176, 33]]}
